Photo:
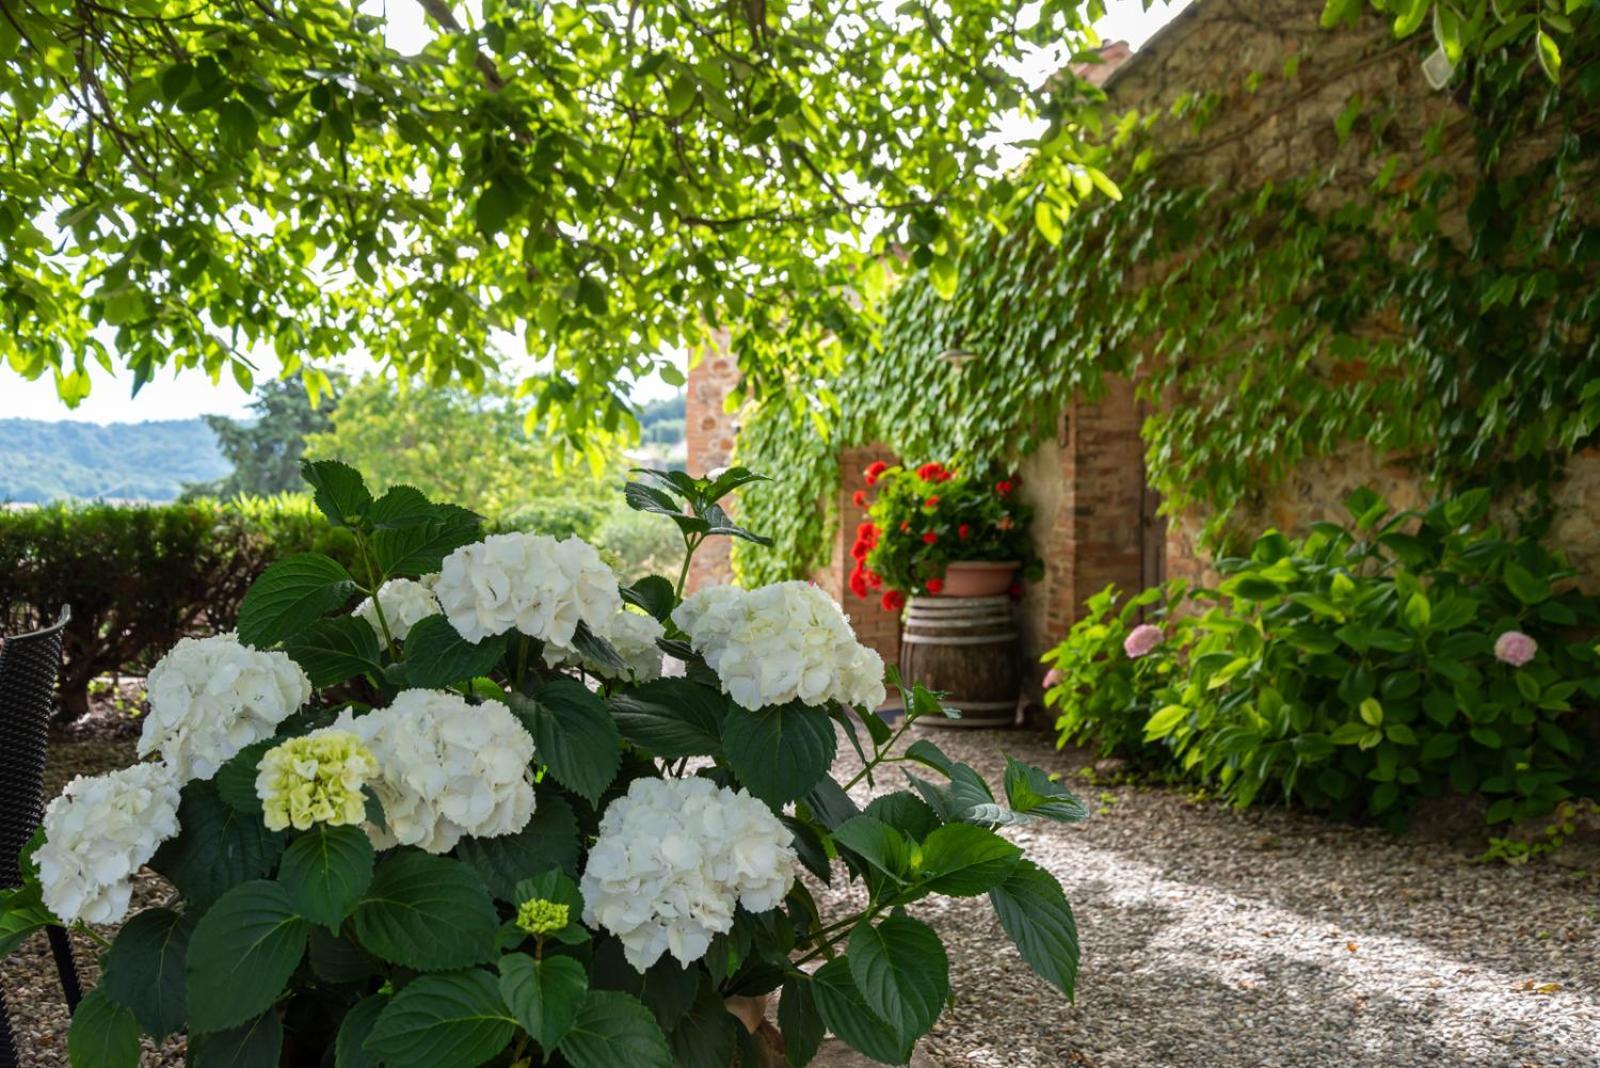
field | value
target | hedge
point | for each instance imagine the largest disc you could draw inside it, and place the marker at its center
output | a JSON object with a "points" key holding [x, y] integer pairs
{"points": [[138, 578]]}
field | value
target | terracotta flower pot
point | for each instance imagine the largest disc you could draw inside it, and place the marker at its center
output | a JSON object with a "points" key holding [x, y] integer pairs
{"points": [[978, 578]]}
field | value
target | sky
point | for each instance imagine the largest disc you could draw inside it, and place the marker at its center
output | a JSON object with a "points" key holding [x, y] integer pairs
{"points": [[192, 393]]}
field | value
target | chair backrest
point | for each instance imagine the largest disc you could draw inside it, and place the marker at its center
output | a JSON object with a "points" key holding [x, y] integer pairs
{"points": [[29, 666]]}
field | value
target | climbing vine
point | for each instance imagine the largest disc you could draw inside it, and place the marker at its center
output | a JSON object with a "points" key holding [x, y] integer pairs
{"points": [[1267, 326]]}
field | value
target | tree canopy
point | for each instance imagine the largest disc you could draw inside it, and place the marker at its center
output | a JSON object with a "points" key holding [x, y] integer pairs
{"points": [[190, 183]]}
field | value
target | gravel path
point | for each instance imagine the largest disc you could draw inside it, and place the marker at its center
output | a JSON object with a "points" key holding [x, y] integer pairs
{"points": [[1211, 939]]}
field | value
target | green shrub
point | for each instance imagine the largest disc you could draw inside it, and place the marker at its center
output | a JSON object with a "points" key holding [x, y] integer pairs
{"points": [[1354, 672], [140, 577], [1104, 695]]}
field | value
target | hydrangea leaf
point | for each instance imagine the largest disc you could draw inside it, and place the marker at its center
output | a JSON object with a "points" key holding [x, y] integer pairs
{"points": [[615, 1029], [846, 1012], [902, 971], [963, 860], [331, 651], [708, 1034], [144, 969], [436, 656], [1035, 913], [457, 1019], [672, 718], [779, 753], [575, 735], [257, 1043], [326, 870], [551, 837], [349, 1047], [103, 1034], [426, 912], [291, 595], [241, 953], [544, 995], [219, 848], [1032, 792]]}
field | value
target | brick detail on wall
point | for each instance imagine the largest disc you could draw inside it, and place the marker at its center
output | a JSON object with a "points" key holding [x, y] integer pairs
{"points": [[709, 430]]}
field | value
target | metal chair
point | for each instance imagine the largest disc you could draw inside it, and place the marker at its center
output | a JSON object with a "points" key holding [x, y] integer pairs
{"points": [[29, 666]]}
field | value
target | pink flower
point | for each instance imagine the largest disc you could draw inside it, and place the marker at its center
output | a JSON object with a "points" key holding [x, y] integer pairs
{"points": [[1141, 640], [1052, 678], [1514, 648]]}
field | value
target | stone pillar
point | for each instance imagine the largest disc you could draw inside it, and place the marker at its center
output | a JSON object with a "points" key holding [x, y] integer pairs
{"points": [[709, 430]]}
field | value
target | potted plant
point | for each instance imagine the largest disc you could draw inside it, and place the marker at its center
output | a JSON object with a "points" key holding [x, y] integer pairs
{"points": [[933, 531], [457, 816]]}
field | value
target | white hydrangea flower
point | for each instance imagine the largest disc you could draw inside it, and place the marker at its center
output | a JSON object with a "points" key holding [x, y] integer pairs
{"points": [[446, 769], [98, 834], [673, 860], [783, 642], [530, 583], [211, 697], [405, 603]]}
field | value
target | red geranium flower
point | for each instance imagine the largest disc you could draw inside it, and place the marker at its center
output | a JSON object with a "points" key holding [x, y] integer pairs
{"points": [[964, 531], [859, 498], [931, 473], [858, 582], [893, 601], [1004, 487], [860, 550], [935, 585], [874, 469], [874, 580], [929, 538], [868, 533], [931, 502], [905, 525]]}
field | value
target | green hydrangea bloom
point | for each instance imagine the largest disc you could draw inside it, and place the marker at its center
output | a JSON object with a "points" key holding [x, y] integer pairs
{"points": [[315, 779], [541, 916]]}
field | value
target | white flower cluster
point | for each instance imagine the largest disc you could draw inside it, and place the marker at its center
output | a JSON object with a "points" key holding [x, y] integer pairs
{"points": [[530, 583], [446, 769], [405, 603], [98, 833], [779, 643], [211, 697], [674, 859], [633, 635]]}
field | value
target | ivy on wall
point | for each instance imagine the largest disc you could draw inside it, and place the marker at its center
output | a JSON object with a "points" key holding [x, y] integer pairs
{"points": [[1265, 325]]}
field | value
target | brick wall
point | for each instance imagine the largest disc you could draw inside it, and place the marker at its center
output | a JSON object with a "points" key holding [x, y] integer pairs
{"points": [[709, 430], [874, 627]]}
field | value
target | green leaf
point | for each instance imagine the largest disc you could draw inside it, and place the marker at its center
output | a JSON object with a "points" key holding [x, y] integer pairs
{"points": [[1418, 613], [437, 656], [575, 736], [1035, 914], [612, 1030], [800, 1021], [1524, 585], [331, 651], [326, 870], [1371, 712], [846, 1012], [349, 1047], [878, 843], [544, 995], [290, 596], [257, 1043], [708, 1034], [904, 811], [21, 914], [144, 969], [103, 1034], [1030, 791], [943, 275], [241, 953], [550, 838], [779, 753], [901, 970], [456, 1019], [235, 781], [219, 849], [1549, 56], [964, 860], [428, 913], [339, 491], [654, 594], [672, 718], [1409, 16], [419, 548], [1340, 12]]}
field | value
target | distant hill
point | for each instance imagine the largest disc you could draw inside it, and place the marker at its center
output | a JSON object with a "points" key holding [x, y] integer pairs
{"points": [[42, 461]]}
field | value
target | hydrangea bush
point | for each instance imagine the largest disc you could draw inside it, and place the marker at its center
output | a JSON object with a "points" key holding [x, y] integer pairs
{"points": [[463, 817]]}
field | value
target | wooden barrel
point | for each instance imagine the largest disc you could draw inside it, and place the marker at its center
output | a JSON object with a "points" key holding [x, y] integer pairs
{"points": [[967, 648]]}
